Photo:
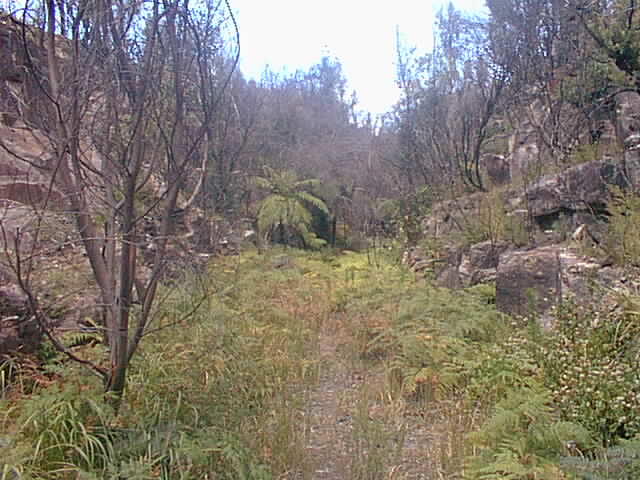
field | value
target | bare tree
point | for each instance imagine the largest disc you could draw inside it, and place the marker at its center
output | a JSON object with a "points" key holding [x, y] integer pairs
{"points": [[125, 103], [451, 99]]}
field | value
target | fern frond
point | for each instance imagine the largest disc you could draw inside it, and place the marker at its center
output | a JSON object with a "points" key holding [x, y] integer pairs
{"points": [[262, 183], [308, 183], [313, 200], [79, 339]]}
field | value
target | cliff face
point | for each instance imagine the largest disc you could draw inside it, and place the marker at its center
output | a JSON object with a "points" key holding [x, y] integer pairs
{"points": [[26, 160], [34, 220]]}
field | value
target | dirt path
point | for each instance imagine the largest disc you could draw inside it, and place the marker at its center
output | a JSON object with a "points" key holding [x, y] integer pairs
{"points": [[329, 421], [354, 431]]}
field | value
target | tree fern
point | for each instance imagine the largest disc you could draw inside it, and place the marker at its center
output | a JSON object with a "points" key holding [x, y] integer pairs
{"points": [[287, 205]]}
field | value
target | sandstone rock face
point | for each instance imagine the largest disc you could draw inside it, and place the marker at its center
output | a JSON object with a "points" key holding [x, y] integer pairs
{"points": [[583, 187], [463, 267], [533, 281], [24, 169], [549, 271], [528, 281], [586, 279], [524, 152], [627, 114]]}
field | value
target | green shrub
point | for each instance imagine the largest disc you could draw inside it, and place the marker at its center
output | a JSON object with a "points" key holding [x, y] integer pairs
{"points": [[592, 369]]}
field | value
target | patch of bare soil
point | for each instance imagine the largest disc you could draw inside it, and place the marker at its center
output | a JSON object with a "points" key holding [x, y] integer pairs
{"points": [[328, 422]]}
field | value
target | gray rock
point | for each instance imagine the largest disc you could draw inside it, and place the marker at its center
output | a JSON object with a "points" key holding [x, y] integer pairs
{"points": [[478, 263], [497, 168], [19, 331], [528, 281], [533, 281], [585, 279], [449, 278], [580, 188]]}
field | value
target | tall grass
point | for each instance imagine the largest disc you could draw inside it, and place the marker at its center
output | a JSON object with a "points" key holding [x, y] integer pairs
{"points": [[217, 395]]}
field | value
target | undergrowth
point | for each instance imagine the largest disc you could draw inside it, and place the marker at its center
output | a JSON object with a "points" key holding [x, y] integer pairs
{"points": [[222, 394], [504, 398], [214, 396]]}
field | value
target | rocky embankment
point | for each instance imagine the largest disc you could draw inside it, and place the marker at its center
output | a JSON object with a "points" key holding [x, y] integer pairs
{"points": [[558, 224]]}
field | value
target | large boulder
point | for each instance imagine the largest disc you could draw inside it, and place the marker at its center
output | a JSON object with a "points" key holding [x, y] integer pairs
{"points": [[468, 266], [533, 281], [19, 331], [583, 187], [528, 281]]}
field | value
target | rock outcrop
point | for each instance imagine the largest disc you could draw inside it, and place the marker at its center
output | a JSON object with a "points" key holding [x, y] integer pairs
{"points": [[18, 329], [533, 281], [528, 281], [497, 168], [627, 128], [471, 265], [563, 214]]}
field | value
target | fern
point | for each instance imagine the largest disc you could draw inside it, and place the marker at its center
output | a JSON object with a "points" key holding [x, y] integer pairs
{"points": [[287, 204], [78, 339], [523, 439]]}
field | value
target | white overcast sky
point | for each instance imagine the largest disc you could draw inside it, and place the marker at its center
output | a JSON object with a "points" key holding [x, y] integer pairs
{"points": [[295, 34]]}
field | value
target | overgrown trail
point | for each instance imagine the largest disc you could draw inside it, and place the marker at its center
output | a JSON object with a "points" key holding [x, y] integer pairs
{"points": [[355, 428], [328, 420]]}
